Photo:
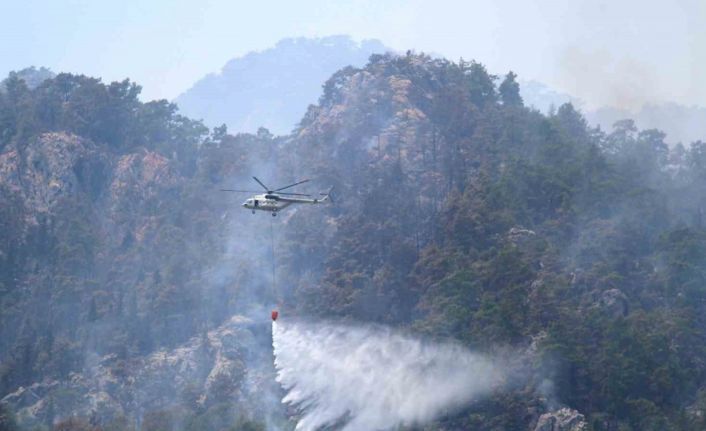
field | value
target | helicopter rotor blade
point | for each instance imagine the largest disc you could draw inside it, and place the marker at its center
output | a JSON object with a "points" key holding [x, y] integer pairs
{"points": [[260, 182], [293, 194], [240, 191], [292, 185]]}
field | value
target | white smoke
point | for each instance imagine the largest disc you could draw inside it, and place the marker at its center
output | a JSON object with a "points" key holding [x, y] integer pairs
{"points": [[371, 378]]}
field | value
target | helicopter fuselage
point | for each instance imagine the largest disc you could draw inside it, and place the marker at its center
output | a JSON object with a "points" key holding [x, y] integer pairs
{"points": [[274, 202]]}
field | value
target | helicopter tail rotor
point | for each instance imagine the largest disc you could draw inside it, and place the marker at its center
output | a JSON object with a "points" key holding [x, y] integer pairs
{"points": [[328, 195]]}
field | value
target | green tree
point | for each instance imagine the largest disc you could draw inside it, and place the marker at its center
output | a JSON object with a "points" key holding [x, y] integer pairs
{"points": [[509, 90], [481, 84]]}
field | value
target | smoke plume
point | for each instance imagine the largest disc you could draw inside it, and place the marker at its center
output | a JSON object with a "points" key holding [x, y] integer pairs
{"points": [[371, 378]]}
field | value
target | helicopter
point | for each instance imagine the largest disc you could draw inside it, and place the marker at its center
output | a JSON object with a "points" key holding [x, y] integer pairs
{"points": [[275, 200]]}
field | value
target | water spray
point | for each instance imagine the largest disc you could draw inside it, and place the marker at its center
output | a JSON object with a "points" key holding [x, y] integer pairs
{"points": [[364, 378]]}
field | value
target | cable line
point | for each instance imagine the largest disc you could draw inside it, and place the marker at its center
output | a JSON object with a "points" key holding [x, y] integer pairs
{"points": [[272, 240]]}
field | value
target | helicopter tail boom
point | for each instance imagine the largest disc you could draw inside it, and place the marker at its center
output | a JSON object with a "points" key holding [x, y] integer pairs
{"points": [[327, 195]]}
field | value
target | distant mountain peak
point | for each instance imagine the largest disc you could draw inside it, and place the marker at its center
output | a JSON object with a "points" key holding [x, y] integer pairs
{"points": [[273, 87]]}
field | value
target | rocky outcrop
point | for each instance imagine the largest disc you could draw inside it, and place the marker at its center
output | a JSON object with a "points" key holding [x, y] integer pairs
{"points": [[51, 167], [232, 362], [140, 178], [564, 419], [614, 302], [518, 234], [144, 171], [56, 165]]}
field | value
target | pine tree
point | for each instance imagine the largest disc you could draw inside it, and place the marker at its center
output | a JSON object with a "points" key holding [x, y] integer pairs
{"points": [[510, 90]]}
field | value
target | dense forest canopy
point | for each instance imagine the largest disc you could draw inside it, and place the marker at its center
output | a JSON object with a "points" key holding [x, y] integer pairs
{"points": [[462, 215]]}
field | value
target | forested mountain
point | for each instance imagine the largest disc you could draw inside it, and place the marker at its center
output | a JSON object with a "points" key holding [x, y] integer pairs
{"points": [[272, 88], [472, 217], [130, 286], [112, 259]]}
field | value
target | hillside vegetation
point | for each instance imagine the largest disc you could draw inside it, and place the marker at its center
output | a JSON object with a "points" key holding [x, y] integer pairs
{"points": [[460, 214], [466, 215]]}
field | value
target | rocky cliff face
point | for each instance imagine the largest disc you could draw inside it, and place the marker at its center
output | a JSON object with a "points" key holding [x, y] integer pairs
{"points": [[232, 364], [564, 419], [53, 166]]}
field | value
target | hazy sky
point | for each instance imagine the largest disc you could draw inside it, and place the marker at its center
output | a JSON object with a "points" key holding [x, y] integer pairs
{"points": [[619, 52]]}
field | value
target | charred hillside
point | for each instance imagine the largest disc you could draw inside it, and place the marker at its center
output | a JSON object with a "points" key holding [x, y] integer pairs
{"points": [[460, 214]]}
